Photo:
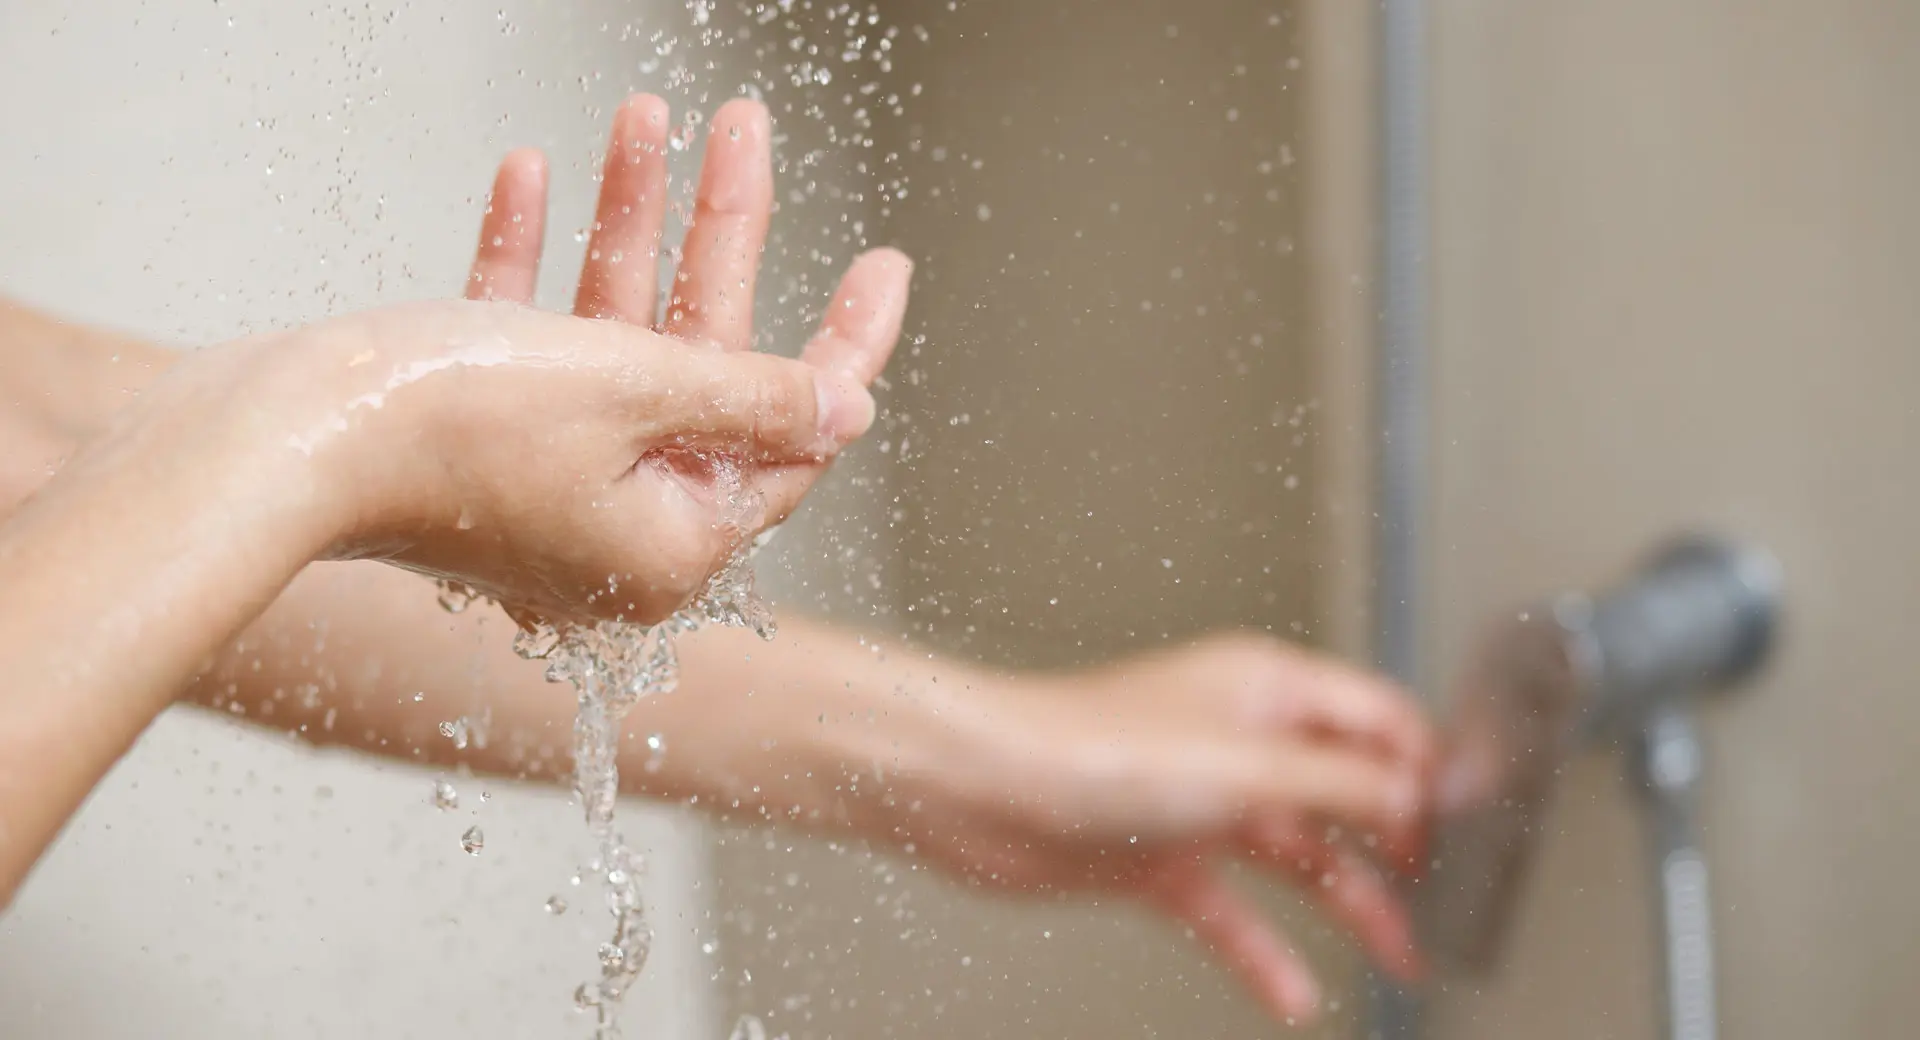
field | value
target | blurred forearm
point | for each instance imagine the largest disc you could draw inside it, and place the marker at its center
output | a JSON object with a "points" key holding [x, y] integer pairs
{"points": [[361, 655]]}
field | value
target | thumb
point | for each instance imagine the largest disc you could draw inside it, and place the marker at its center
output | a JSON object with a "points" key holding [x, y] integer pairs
{"points": [[772, 408], [1240, 935]]}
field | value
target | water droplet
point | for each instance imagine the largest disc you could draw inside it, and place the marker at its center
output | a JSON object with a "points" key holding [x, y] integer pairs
{"points": [[456, 597], [537, 642], [556, 906], [445, 797], [985, 212], [473, 840]]}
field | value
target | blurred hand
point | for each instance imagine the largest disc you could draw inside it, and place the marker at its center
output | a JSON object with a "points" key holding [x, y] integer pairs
{"points": [[1149, 776]]}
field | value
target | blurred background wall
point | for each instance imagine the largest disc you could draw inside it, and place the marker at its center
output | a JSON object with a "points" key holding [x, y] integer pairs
{"points": [[1674, 255]]}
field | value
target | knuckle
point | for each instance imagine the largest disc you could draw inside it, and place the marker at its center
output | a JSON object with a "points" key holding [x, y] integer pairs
{"points": [[782, 391]]}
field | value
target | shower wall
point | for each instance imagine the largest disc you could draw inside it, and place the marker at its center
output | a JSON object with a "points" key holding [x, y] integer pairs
{"points": [[1675, 252]]}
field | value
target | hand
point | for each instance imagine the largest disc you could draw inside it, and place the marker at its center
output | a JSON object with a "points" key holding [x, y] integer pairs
{"points": [[1147, 776], [712, 305], [560, 465], [712, 299]]}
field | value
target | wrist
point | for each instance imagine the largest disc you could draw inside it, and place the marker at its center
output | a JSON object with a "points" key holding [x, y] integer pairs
{"points": [[935, 750], [69, 380], [211, 440]]}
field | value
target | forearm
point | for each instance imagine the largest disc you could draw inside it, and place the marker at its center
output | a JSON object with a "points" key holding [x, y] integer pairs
{"points": [[72, 376], [361, 655], [122, 576], [823, 726]]}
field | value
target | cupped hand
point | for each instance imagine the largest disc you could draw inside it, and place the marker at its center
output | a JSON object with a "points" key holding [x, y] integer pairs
{"points": [[711, 305], [711, 302], [1150, 776], [562, 466]]}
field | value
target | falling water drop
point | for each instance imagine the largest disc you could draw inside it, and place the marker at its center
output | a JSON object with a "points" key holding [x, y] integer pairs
{"points": [[445, 797], [473, 840], [537, 642], [455, 596]]}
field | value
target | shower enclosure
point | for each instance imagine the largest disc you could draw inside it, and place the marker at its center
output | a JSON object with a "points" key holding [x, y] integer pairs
{"points": [[1657, 280]]}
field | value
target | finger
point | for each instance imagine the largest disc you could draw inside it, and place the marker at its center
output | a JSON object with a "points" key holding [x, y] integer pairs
{"points": [[507, 264], [1355, 790], [856, 337], [712, 298], [1356, 706], [862, 323], [1240, 934], [620, 278], [1349, 890], [768, 408], [1292, 690], [783, 486]]}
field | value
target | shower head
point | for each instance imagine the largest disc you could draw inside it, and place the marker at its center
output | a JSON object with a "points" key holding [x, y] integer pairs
{"points": [[1699, 616]]}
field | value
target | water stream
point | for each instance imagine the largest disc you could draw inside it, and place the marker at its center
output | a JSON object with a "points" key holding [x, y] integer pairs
{"points": [[611, 666]]}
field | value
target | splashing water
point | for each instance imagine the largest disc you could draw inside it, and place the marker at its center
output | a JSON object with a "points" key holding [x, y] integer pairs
{"points": [[827, 71], [611, 665]]}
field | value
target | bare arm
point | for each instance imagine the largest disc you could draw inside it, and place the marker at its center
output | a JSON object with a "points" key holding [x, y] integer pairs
{"points": [[175, 527], [121, 577], [362, 656], [1032, 782]]}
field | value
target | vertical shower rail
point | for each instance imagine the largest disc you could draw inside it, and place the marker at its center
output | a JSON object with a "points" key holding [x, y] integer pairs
{"points": [[1401, 380]]}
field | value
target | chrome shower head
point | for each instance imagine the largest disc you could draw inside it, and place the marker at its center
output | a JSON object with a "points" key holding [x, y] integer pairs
{"points": [[1700, 615]]}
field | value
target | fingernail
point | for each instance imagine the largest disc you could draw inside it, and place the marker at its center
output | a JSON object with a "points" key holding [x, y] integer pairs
{"points": [[845, 408]]}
